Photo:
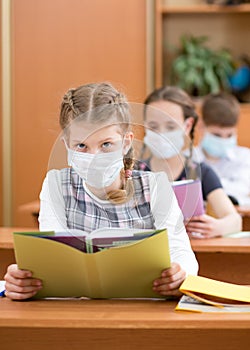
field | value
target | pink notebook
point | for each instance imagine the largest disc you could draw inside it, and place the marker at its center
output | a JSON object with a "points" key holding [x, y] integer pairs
{"points": [[189, 197]]}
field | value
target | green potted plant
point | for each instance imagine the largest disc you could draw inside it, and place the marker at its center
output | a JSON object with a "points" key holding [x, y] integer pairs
{"points": [[200, 70]]}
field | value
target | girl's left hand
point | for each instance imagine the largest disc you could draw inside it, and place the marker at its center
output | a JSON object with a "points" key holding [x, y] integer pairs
{"points": [[203, 226], [170, 281]]}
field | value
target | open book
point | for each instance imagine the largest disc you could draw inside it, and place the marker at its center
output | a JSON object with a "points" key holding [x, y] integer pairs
{"points": [[126, 269], [189, 197], [97, 240], [207, 295]]}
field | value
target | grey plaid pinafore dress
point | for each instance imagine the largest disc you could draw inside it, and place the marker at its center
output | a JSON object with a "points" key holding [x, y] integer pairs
{"points": [[84, 212]]}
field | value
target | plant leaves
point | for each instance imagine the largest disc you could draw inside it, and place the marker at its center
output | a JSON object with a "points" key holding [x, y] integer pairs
{"points": [[201, 69]]}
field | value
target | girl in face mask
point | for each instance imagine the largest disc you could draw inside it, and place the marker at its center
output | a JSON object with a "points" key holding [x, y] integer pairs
{"points": [[170, 121], [101, 189]]}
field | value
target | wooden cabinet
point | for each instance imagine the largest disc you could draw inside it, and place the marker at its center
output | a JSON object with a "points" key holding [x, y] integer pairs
{"points": [[225, 26]]}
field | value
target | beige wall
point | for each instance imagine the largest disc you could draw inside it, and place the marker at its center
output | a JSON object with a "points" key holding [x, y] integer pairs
{"points": [[1, 120], [57, 45]]}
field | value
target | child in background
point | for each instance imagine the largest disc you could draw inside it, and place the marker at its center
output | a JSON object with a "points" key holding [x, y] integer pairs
{"points": [[169, 118], [218, 148], [101, 189]]}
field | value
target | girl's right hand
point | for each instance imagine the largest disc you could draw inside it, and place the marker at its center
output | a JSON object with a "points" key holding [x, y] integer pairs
{"points": [[19, 284]]}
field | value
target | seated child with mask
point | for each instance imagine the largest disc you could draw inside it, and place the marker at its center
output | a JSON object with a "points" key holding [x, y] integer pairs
{"points": [[219, 149], [170, 119]]}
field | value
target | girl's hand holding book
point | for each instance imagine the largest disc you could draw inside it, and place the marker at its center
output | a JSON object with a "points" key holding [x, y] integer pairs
{"points": [[19, 283], [170, 281], [203, 226]]}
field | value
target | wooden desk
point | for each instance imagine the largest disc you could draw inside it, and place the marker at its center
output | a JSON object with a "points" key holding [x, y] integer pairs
{"points": [[7, 255], [117, 324], [245, 213], [225, 259]]}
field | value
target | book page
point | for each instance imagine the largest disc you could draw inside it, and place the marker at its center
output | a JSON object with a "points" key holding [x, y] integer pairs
{"points": [[100, 240], [188, 303], [181, 182], [215, 301], [119, 232]]}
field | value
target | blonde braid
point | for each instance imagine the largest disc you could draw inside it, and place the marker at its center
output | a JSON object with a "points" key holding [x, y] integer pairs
{"points": [[127, 191], [68, 99]]}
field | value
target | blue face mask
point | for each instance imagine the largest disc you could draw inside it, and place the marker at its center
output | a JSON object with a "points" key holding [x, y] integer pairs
{"points": [[216, 146]]}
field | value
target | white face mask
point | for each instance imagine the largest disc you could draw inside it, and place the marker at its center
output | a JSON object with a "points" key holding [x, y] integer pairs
{"points": [[216, 146], [97, 170], [165, 145]]}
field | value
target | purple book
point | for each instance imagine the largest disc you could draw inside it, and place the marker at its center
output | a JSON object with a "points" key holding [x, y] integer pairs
{"points": [[189, 197], [75, 241]]}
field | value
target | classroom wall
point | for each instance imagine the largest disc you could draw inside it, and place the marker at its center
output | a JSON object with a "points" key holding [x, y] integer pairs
{"points": [[244, 125], [57, 45]]}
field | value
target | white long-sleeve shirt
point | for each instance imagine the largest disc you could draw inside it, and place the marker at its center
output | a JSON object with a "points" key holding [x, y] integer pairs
{"points": [[163, 203]]}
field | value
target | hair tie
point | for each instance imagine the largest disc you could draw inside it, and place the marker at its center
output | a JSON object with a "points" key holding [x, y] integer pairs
{"points": [[128, 174]]}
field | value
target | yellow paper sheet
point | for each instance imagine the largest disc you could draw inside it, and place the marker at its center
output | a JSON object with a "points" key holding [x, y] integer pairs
{"points": [[210, 287]]}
